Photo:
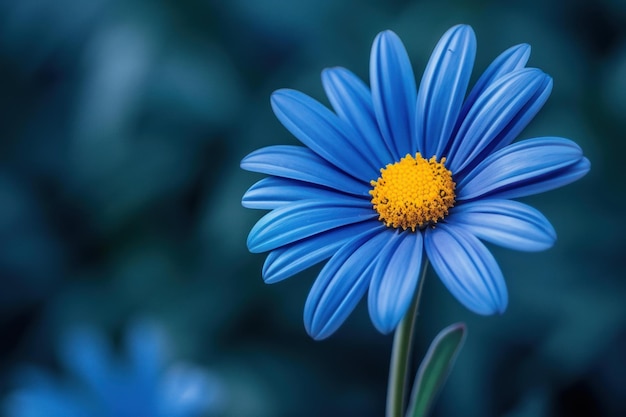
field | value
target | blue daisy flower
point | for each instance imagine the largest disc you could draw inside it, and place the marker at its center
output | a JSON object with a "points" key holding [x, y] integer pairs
{"points": [[143, 384], [398, 175]]}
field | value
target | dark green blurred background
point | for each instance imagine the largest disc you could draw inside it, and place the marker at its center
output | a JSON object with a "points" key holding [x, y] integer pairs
{"points": [[122, 124]]}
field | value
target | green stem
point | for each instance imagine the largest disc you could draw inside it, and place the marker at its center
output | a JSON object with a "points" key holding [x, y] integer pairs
{"points": [[402, 340]]}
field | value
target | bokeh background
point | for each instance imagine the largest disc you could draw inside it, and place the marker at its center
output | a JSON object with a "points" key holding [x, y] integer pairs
{"points": [[122, 124]]}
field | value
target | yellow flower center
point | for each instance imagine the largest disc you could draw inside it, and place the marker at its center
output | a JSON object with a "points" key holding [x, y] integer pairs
{"points": [[413, 193]]}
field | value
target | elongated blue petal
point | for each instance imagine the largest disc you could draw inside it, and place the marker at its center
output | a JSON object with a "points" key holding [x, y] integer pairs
{"points": [[305, 218], [352, 102], [40, 401], [443, 89], [300, 163], [188, 391], [519, 123], [524, 168], [86, 354], [393, 93], [506, 223], [512, 59], [467, 269], [288, 260], [323, 132], [341, 284], [395, 280], [273, 192], [145, 345], [548, 182], [503, 108]]}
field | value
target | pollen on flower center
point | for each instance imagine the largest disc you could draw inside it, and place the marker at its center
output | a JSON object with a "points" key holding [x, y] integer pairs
{"points": [[413, 193]]}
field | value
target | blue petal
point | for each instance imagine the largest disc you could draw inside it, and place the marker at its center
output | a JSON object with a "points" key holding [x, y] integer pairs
{"points": [[300, 163], [502, 111], [525, 168], [186, 391], [467, 269], [526, 114], [305, 218], [146, 350], [288, 260], [273, 192], [352, 101], [395, 280], [507, 223], [323, 132], [86, 353], [46, 402], [508, 61], [443, 89], [342, 283], [393, 93], [548, 182]]}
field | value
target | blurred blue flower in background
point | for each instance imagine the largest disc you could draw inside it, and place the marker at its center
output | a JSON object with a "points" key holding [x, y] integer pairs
{"points": [[144, 383], [456, 190]]}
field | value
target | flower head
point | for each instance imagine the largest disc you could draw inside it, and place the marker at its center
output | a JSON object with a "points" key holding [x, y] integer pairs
{"points": [[397, 174], [143, 384]]}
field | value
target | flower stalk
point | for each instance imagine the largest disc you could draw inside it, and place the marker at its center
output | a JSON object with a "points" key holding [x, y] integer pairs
{"points": [[400, 355]]}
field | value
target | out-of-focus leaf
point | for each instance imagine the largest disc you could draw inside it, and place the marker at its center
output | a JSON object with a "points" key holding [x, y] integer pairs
{"points": [[435, 368]]}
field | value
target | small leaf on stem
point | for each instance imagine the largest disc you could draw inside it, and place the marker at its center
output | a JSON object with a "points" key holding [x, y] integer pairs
{"points": [[435, 368]]}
